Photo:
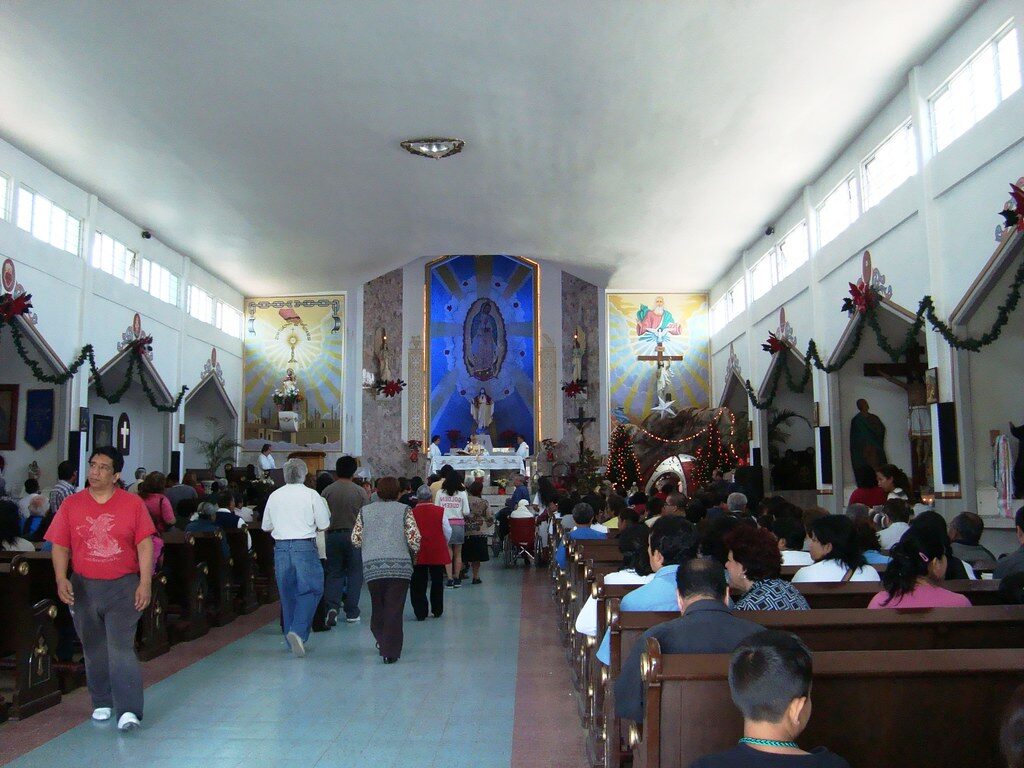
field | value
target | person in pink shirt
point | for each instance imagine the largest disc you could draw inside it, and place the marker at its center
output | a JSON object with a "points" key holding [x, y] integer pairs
{"points": [[911, 579]]}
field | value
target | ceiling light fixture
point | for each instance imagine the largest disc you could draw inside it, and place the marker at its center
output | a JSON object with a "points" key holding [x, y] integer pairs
{"points": [[435, 148]]}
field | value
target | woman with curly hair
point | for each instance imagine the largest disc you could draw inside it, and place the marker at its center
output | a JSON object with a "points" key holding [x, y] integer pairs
{"points": [[755, 566]]}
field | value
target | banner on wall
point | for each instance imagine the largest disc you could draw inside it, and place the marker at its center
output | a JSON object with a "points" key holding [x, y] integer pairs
{"points": [[658, 346], [39, 409], [300, 338], [482, 326]]}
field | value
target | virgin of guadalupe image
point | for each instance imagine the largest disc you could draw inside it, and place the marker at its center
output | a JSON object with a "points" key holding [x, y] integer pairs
{"points": [[484, 341]]}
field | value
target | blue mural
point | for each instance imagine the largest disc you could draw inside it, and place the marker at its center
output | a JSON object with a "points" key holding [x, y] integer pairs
{"points": [[482, 342]]}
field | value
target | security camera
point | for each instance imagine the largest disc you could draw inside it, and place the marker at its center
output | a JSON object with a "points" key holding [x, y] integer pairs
{"points": [[769, 231], [146, 234]]}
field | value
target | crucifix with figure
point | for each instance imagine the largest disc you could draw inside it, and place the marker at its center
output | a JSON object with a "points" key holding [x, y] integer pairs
{"points": [[581, 422], [663, 361]]}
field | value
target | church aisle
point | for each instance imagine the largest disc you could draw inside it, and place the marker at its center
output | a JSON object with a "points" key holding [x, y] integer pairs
{"points": [[449, 701]]}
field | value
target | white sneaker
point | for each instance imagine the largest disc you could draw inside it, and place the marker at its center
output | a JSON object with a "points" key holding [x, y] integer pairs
{"points": [[295, 643], [128, 722], [353, 620], [101, 714]]}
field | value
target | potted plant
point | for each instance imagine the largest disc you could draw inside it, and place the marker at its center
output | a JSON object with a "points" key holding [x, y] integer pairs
{"points": [[217, 450]]}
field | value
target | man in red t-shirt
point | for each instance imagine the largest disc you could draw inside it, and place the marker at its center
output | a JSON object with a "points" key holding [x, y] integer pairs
{"points": [[107, 535]]}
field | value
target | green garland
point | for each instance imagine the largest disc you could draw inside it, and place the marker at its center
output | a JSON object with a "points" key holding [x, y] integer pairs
{"points": [[925, 312], [87, 355]]}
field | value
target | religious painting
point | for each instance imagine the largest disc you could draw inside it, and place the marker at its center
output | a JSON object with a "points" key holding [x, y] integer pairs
{"points": [[931, 386], [102, 431], [659, 350], [300, 339], [8, 416], [482, 348]]}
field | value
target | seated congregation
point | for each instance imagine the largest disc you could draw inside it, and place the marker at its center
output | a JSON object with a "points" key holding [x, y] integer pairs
{"points": [[662, 623]]}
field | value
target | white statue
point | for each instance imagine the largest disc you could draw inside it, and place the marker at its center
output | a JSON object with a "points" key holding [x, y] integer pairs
{"points": [[381, 353], [482, 410], [664, 379], [579, 349]]}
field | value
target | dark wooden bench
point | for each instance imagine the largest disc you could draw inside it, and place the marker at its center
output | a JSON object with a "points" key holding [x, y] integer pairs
{"points": [[220, 595], [823, 630], [186, 587], [927, 709], [263, 560], [242, 571], [28, 638]]}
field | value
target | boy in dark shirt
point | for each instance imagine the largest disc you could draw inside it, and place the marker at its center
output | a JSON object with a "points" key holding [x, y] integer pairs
{"points": [[770, 680]]}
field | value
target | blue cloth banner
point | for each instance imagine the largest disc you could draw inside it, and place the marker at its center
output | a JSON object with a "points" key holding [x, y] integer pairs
{"points": [[39, 417]]}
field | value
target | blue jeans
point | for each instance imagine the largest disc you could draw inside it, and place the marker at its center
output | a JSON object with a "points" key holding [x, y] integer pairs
{"points": [[344, 572], [300, 580]]}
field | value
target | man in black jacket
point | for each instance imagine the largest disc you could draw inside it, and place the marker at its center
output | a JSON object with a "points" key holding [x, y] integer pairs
{"points": [[706, 626]]}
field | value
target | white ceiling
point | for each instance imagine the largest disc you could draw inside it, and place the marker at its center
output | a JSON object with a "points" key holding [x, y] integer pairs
{"points": [[643, 143]]}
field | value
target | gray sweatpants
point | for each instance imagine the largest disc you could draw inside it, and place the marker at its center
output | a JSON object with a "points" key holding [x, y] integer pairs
{"points": [[105, 619]]}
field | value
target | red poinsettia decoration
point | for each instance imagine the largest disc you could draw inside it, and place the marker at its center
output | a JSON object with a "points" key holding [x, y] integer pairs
{"points": [[391, 387], [1018, 201], [574, 388], [14, 306], [414, 449], [143, 345], [774, 344], [860, 299]]}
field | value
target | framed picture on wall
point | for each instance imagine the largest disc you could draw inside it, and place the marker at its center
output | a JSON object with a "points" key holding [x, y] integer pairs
{"points": [[8, 416], [931, 386], [102, 431]]}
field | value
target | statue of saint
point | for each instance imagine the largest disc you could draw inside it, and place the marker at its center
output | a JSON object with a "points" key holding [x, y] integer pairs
{"points": [[579, 349], [482, 410], [867, 438], [381, 355]]}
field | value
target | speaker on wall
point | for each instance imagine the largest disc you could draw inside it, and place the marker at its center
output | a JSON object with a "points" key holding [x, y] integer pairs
{"points": [[825, 454], [74, 446], [948, 453], [176, 464]]}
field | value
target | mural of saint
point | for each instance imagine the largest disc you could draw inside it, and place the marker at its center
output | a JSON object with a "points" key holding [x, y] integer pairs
{"points": [[651, 321], [484, 340], [867, 438]]}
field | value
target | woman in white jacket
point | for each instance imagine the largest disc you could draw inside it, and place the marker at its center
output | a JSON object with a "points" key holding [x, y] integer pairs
{"points": [[455, 501]]}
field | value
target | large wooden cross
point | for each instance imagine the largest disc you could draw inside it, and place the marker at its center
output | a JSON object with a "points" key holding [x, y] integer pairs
{"points": [[659, 356], [581, 422], [908, 375]]}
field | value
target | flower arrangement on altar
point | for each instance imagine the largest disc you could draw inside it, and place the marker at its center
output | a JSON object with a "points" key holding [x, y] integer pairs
{"points": [[389, 387], [453, 436], [502, 484], [414, 449], [288, 394], [549, 447], [575, 388], [508, 437]]}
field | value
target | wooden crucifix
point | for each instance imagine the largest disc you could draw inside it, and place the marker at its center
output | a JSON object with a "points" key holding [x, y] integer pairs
{"points": [[581, 422], [907, 375], [663, 362]]}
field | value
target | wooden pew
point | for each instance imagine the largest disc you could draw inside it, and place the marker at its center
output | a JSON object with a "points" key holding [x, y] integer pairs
{"points": [[27, 639], [857, 594], [220, 595], [242, 571], [186, 587], [151, 639], [823, 630], [927, 709], [264, 576]]}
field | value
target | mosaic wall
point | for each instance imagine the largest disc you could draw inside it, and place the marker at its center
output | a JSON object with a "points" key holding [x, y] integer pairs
{"points": [[581, 329], [383, 448]]}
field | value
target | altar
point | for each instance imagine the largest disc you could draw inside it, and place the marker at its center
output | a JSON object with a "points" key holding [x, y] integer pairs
{"points": [[484, 464]]}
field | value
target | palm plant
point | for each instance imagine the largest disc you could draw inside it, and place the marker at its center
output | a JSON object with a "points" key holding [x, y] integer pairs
{"points": [[218, 450]]}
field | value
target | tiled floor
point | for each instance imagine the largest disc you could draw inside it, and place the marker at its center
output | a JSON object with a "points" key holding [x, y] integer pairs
{"points": [[449, 702]]}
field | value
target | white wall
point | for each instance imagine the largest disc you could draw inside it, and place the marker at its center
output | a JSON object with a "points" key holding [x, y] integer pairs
{"points": [[932, 235], [78, 305]]}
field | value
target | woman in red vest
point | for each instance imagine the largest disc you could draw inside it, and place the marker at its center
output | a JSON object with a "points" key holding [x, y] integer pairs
{"points": [[434, 555]]}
